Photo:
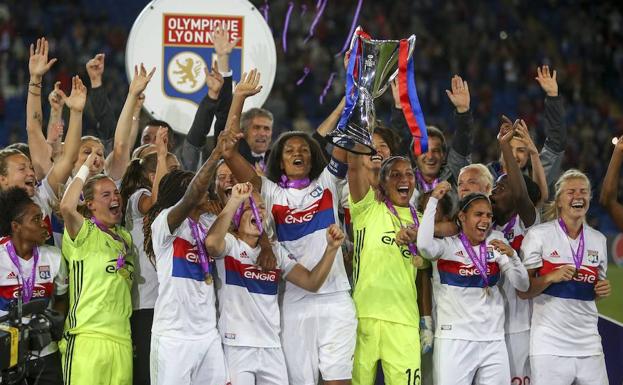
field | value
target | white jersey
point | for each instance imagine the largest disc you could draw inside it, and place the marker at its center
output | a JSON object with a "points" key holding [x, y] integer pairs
{"points": [[185, 307], [564, 318], [301, 218], [518, 311], [248, 307], [464, 309], [50, 279], [145, 285]]}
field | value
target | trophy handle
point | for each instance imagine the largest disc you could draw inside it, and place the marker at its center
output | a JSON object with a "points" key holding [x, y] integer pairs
{"points": [[381, 91]]}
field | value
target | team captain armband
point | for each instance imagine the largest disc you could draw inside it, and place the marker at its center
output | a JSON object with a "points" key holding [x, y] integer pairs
{"points": [[338, 168]]}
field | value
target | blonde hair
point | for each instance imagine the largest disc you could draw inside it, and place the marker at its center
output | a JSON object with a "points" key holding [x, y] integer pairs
{"points": [[483, 171], [551, 211]]}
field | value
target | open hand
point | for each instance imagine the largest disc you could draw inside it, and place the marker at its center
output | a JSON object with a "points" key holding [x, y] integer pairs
{"points": [[547, 81], [249, 84], [78, 97], [38, 64], [459, 96], [140, 80]]}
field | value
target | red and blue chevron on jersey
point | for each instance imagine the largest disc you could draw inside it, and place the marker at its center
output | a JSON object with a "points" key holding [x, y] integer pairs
{"points": [[186, 260], [456, 273], [9, 293], [581, 287], [251, 277], [294, 223]]}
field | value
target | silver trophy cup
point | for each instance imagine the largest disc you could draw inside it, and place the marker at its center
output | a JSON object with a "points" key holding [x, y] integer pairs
{"points": [[377, 66]]}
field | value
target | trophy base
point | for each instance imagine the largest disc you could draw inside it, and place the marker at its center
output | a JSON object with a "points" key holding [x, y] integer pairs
{"points": [[348, 143]]}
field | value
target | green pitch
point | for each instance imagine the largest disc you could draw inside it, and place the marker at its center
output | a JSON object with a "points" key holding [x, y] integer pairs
{"points": [[613, 305]]}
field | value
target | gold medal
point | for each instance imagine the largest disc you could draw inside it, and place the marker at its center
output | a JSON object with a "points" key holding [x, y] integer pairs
{"points": [[208, 278], [123, 272]]}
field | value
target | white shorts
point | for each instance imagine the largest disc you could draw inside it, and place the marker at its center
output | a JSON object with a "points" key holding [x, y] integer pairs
{"points": [[319, 334], [250, 366], [558, 370], [518, 346], [187, 362], [461, 362]]}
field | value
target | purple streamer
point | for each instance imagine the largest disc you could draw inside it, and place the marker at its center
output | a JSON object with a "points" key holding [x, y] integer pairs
{"points": [[306, 72], [284, 37], [326, 87], [320, 6], [264, 8], [352, 28]]}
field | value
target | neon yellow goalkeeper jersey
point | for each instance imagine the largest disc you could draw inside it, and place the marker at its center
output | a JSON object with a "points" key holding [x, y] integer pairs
{"points": [[99, 295]]}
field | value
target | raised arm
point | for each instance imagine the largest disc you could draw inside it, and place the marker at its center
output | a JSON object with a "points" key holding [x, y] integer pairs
{"points": [[518, 188], [313, 280], [244, 172], [56, 128], [38, 65], [538, 172], [120, 156], [98, 102], [427, 245], [610, 186], [554, 125], [215, 241], [358, 183], [459, 154], [196, 189], [147, 201], [73, 220], [194, 141], [61, 170]]}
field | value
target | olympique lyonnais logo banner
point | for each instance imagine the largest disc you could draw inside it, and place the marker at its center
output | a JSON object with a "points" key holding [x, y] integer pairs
{"points": [[189, 48], [176, 37]]}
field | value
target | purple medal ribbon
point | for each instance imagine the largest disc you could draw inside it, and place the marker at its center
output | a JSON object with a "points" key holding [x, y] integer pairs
{"points": [[425, 185], [254, 210], [416, 222], [509, 226], [284, 182], [121, 256], [480, 261], [199, 235], [578, 255], [28, 283]]}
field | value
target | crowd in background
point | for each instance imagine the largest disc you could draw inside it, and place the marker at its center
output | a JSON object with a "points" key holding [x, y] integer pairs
{"points": [[507, 40]]}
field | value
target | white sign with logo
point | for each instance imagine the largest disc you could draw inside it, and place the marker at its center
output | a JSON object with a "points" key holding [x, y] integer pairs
{"points": [[175, 36]]}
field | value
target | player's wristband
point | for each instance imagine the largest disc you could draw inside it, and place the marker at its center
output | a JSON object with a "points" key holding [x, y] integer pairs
{"points": [[83, 173], [338, 168]]}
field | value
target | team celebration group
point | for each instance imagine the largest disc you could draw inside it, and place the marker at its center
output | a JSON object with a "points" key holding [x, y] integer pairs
{"points": [[296, 262]]}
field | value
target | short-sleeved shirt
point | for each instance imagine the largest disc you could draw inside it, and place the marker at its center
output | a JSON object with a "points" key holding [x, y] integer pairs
{"points": [[517, 311], [186, 304], [564, 316], [301, 218], [50, 279], [145, 285], [100, 301], [383, 272], [248, 307]]}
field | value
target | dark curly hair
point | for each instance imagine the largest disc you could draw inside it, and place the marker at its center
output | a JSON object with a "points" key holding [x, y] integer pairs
{"points": [[13, 203], [318, 160], [171, 189]]}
